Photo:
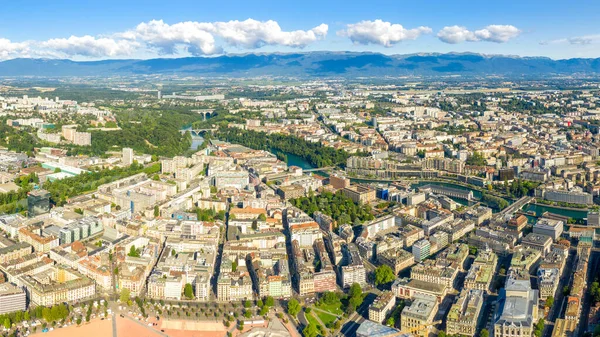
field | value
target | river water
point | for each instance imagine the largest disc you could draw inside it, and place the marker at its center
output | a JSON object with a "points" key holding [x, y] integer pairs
{"points": [[537, 209], [197, 140]]}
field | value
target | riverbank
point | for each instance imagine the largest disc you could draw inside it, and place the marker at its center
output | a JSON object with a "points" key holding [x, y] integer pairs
{"points": [[576, 209]]}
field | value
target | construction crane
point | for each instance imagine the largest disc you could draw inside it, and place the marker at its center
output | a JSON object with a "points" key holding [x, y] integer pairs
{"points": [[413, 329]]}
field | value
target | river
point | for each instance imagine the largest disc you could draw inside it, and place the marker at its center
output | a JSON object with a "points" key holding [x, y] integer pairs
{"points": [[293, 160], [540, 209], [197, 140]]}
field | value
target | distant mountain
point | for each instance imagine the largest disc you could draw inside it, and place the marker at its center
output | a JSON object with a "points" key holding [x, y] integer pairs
{"points": [[312, 64]]}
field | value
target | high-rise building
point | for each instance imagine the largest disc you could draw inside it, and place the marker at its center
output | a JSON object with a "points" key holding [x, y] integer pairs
{"points": [[127, 156], [421, 250], [12, 298], [38, 202]]}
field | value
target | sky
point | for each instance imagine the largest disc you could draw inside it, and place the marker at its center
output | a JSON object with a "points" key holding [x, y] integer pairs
{"points": [[110, 29]]}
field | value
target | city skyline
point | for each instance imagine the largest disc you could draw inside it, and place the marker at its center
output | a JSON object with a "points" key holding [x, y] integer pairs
{"points": [[143, 30]]}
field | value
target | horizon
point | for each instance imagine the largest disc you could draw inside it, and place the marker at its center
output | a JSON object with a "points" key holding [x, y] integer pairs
{"points": [[174, 57]]}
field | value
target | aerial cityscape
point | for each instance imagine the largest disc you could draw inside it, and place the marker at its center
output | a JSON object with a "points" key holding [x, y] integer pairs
{"points": [[253, 169]]}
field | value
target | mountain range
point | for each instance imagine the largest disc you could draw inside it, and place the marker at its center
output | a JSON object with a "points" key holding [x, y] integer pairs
{"points": [[312, 64]]}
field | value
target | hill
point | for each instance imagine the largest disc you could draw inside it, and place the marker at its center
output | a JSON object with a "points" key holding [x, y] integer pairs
{"points": [[313, 64]]}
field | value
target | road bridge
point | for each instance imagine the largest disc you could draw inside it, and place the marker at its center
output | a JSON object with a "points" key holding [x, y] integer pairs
{"points": [[449, 191], [327, 168]]}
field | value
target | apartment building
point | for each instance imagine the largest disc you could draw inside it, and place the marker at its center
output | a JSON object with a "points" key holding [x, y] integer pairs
{"points": [[398, 259], [57, 285], [464, 315], [382, 305]]}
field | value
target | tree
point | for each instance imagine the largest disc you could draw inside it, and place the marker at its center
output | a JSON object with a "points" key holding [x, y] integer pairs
{"points": [[78, 320], [383, 275], [264, 310], [247, 304], [125, 293], [156, 211], [549, 301], [484, 333], [188, 291], [355, 290], [442, 334], [310, 330], [293, 307], [391, 322], [269, 301], [133, 252], [247, 313], [7, 323], [330, 298]]}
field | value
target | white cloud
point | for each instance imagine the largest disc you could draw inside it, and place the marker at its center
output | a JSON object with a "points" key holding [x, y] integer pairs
{"points": [[576, 40], [381, 32], [91, 46], [196, 38], [254, 34], [194, 35], [491, 33], [10, 49], [199, 37]]}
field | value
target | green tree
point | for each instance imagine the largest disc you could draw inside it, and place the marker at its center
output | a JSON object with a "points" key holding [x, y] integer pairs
{"points": [[264, 310], [125, 293], [133, 252], [156, 211], [188, 291], [549, 301], [247, 304], [484, 333], [391, 322], [293, 307], [269, 301], [310, 330], [383, 275], [7, 323]]}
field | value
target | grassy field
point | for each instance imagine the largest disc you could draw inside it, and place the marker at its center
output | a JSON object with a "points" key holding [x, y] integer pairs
{"points": [[325, 318], [335, 309], [312, 319]]}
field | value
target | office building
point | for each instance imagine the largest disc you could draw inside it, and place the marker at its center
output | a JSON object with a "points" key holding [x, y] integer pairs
{"points": [[360, 194], [593, 219], [12, 298], [550, 227], [419, 315], [38, 202], [421, 250]]}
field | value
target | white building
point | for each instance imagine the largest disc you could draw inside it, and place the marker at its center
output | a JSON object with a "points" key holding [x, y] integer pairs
{"points": [[127, 156], [552, 228]]}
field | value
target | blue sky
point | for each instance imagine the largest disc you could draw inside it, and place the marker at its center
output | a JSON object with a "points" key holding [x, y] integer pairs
{"points": [[125, 29]]}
